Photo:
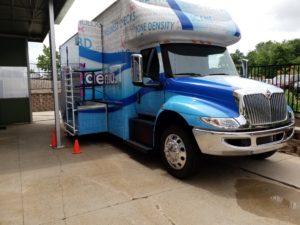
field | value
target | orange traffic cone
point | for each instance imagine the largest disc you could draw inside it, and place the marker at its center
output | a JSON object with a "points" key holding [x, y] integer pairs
{"points": [[53, 140], [76, 147]]}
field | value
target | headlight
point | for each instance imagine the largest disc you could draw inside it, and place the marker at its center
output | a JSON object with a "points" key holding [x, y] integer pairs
{"points": [[225, 123]]}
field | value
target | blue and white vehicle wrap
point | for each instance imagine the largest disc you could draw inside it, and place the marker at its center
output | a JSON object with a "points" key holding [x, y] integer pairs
{"points": [[129, 26]]}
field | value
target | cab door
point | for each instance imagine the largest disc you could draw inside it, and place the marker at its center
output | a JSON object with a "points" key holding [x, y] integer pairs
{"points": [[150, 99]]}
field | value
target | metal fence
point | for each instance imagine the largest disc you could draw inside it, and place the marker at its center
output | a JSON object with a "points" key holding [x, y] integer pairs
{"points": [[41, 80], [286, 77]]}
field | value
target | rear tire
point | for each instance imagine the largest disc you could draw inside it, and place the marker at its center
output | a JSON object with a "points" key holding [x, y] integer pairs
{"points": [[264, 155], [179, 152]]}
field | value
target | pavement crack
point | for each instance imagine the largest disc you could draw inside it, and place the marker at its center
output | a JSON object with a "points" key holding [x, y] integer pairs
{"points": [[260, 175], [61, 187], [138, 198], [132, 199], [159, 209], [273, 179]]}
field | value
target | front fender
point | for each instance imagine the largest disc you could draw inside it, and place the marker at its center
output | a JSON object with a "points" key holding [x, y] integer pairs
{"points": [[198, 107]]}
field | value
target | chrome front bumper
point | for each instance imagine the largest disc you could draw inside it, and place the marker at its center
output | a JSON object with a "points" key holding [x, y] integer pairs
{"points": [[242, 143]]}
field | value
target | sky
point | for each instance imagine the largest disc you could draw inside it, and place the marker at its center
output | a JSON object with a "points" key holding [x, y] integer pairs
{"points": [[258, 20]]}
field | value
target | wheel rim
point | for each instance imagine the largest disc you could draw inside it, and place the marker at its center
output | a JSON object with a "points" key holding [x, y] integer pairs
{"points": [[175, 151]]}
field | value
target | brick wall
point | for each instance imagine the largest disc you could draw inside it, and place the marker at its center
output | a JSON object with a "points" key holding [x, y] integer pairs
{"points": [[42, 95], [42, 102]]}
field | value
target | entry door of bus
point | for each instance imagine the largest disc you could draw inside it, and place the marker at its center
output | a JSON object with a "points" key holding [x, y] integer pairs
{"points": [[150, 99]]}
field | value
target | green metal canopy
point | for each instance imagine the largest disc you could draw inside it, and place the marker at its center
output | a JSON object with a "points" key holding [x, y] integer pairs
{"points": [[29, 18]]}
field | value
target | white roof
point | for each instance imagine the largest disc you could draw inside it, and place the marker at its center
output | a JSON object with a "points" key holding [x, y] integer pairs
{"points": [[147, 21]]}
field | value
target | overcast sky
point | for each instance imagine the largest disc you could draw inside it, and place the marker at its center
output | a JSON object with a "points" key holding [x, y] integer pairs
{"points": [[259, 20]]}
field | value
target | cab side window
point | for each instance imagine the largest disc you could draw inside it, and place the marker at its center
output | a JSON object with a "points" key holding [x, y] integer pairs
{"points": [[150, 63]]}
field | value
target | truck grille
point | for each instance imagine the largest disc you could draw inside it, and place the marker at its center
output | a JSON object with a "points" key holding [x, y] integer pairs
{"points": [[261, 110]]}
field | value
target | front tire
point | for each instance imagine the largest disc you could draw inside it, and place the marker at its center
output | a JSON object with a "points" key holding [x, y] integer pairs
{"points": [[179, 152]]}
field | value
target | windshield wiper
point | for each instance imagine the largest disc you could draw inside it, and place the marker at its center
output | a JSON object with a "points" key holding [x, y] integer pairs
{"points": [[191, 74], [218, 74]]}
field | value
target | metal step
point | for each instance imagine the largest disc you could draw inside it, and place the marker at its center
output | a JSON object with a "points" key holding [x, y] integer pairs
{"points": [[67, 124], [141, 131], [70, 129], [139, 146]]}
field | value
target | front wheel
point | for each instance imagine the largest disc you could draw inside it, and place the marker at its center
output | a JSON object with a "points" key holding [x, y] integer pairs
{"points": [[179, 152]]}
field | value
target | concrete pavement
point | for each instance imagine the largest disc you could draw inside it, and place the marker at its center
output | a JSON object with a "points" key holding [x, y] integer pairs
{"points": [[281, 167], [109, 183]]}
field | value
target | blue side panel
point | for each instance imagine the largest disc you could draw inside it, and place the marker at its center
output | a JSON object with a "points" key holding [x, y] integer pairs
{"points": [[91, 121], [90, 54], [120, 95], [107, 58], [118, 120], [89, 93], [151, 102], [115, 122]]}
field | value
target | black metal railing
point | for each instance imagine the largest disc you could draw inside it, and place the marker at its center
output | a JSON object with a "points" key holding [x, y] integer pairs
{"points": [[286, 77]]}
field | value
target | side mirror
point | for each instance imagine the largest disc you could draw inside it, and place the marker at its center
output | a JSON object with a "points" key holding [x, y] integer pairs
{"points": [[137, 69], [244, 63]]}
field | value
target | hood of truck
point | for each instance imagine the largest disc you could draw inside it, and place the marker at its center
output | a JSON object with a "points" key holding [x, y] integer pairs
{"points": [[217, 89]]}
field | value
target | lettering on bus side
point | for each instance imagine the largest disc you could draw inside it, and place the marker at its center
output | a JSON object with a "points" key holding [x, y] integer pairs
{"points": [[154, 26], [100, 79], [120, 23]]}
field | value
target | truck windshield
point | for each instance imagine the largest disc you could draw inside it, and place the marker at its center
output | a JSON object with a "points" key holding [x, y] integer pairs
{"points": [[196, 60]]}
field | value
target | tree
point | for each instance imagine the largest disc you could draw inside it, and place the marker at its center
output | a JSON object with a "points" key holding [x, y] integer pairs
{"points": [[44, 60], [296, 45], [262, 54], [275, 53], [282, 54], [237, 56]]}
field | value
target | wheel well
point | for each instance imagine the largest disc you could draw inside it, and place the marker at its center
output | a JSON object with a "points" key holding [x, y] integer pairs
{"points": [[165, 119]]}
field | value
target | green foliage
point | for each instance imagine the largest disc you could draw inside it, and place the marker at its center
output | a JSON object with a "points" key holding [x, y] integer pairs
{"points": [[275, 53], [44, 60], [237, 56], [292, 100]]}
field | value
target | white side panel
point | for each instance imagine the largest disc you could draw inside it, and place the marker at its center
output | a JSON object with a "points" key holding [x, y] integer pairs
{"points": [[69, 52], [90, 37]]}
